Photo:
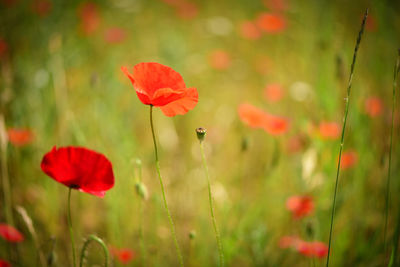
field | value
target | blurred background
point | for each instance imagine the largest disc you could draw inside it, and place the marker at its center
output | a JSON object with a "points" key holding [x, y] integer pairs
{"points": [[61, 84]]}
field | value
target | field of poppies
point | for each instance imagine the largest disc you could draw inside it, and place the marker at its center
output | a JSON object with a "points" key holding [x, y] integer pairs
{"points": [[199, 133]]}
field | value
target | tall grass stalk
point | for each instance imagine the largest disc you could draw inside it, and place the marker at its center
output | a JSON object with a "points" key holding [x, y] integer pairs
{"points": [[171, 222], [393, 258], [343, 129], [71, 233], [201, 132]]}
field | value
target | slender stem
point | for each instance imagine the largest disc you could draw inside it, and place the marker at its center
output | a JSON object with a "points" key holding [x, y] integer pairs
{"points": [[171, 222], [210, 198], [396, 71], [343, 130], [101, 243], [4, 173], [70, 226]]}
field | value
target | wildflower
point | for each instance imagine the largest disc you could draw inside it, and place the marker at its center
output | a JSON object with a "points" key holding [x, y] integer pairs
{"points": [[124, 255], [273, 92], [79, 168], [300, 206], [90, 17], [161, 86], [271, 23], [249, 30], [373, 106], [10, 234], [114, 35], [4, 263], [41, 7], [220, 60], [19, 136], [329, 130], [349, 159]]}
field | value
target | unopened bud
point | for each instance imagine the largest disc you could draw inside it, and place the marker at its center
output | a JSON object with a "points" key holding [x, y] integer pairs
{"points": [[192, 234], [141, 190], [201, 133]]}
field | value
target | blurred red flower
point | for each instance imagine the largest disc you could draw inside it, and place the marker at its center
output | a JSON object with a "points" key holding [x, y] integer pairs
{"points": [[349, 159], [273, 92], [41, 7], [271, 23], [275, 125], [371, 24], [249, 30], [4, 263], [300, 206], [19, 136], [329, 130], [161, 86], [114, 35], [312, 249], [276, 4], [79, 168], [220, 60], [3, 47], [10, 234], [373, 106], [252, 116], [124, 255], [288, 241], [90, 17], [257, 118]]}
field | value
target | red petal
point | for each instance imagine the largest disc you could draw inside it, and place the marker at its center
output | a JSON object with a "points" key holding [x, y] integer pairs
{"points": [[4, 263], [79, 168], [182, 105], [251, 115], [10, 234]]}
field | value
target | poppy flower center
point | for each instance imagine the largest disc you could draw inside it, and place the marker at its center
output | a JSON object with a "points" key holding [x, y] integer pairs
{"points": [[74, 186]]}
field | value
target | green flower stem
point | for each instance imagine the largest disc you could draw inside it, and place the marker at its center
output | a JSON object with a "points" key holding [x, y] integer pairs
{"points": [[70, 227], [344, 128], [210, 198], [396, 71], [171, 222], [101, 243]]}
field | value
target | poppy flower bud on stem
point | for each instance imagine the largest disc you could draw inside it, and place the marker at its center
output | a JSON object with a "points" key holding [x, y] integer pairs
{"points": [[141, 190], [201, 133]]}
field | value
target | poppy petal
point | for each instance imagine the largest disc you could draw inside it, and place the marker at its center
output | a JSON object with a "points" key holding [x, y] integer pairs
{"points": [[182, 105], [10, 234]]}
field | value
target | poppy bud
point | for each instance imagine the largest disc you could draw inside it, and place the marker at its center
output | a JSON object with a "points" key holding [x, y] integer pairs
{"points": [[141, 190], [201, 133], [192, 234]]}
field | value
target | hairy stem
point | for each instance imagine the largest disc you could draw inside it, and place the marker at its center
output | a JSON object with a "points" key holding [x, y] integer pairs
{"points": [[343, 131], [101, 243], [210, 198], [171, 222], [71, 233]]}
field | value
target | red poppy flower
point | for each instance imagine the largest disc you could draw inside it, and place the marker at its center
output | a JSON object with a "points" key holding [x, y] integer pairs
{"points": [[4, 263], [41, 7], [251, 115], [19, 137], [329, 130], [79, 168], [300, 206], [249, 30], [114, 35], [271, 23], [124, 255], [90, 17], [349, 159], [3, 47], [371, 24], [312, 249], [276, 4], [273, 92], [10, 234], [220, 60], [373, 106], [288, 241], [161, 86], [275, 125]]}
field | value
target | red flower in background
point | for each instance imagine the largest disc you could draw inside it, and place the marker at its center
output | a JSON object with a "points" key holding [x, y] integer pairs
{"points": [[41, 7], [273, 92], [271, 23], [275, 125], [161, 86], [371, 24], [3, 47], [114, 35], [276, 4], [288, 241], [220, 60], [300, 206], [4, 263], [349, 159], [79, 168], [312, 249], [19, 136], [373, 106], [252, 116], [90, 17], [10, 234], [249, 30], [329, 130], [124, 255]]}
